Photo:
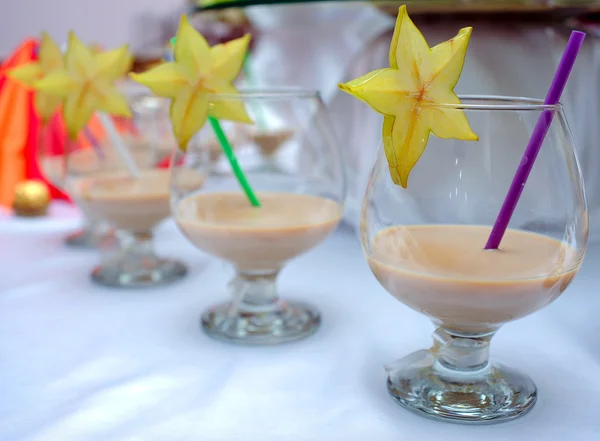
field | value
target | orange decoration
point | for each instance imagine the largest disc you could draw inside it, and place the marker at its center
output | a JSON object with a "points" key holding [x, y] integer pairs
{"points": [[15, 112]]}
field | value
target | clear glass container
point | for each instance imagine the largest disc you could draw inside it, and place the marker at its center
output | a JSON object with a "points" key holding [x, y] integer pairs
{"points": [[425, 245], [293, 164], [51, 159], [100, 182]]}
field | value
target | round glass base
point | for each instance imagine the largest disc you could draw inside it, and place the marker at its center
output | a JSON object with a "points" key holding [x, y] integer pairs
{"points": [[284, 323], [160, 272], [491, 395]]}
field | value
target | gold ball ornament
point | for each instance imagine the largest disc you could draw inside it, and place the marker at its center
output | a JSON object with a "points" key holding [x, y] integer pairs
{"points": [[31, 199]]}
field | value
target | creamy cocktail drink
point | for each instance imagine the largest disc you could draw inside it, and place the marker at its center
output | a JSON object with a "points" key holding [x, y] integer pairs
{"points": [[132, 204], [135, 205], [269, 142], [85, 162], [444, 272], [255, 218], [258, 242], [108, 143], [257, 239], [441, 228]]}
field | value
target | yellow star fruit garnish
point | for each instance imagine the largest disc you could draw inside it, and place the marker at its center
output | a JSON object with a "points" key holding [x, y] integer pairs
{"points": [[198, 72], [49, 59], [86, 83], [406, 93]]}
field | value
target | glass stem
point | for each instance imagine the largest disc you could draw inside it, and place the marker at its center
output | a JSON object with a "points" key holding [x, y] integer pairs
{"points": [[254, 291], [140, 243], [461, 353], [136, 249]]}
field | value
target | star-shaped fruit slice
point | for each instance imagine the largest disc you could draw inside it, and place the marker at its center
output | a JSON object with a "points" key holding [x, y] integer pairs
{"points": [[86, 83], [409, 93], [198, 72], [49, 59]]}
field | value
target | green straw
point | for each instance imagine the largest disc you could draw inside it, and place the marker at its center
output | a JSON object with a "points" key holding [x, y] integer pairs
{"points": [[228, 150], [237, 170]]}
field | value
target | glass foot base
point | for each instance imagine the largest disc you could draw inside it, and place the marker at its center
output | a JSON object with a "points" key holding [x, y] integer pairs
{"points": [[161, 272], [286, 323], [492, 395]]}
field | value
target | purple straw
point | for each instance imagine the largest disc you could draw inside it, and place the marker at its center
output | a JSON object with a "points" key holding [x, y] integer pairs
{"points": [[537, 138], [94, 141]]}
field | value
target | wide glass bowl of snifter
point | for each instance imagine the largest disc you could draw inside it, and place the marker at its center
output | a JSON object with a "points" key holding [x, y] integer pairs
{"points": [[124, 182], [300, 185], [425, 245]]}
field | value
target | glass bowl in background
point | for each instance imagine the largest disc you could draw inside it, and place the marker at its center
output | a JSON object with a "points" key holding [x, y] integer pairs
{"points": [[101, 183], [301, 187]]}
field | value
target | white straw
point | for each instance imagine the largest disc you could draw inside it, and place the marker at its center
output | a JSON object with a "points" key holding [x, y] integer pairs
{"points": [[119, 145]]}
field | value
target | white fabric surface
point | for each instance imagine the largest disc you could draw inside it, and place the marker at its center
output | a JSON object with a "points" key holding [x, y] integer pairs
{"points": [[80, 362]]}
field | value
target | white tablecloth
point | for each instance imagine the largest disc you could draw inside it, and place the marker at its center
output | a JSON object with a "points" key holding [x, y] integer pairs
{"points": [[79, 362]]}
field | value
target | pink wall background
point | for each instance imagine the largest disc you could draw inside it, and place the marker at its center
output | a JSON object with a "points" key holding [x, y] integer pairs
{"points": [[108, 22]]}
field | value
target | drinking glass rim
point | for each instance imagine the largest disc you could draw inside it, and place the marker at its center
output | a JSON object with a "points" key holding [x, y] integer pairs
{"points": [[273, 94], [478, 102], [496, 102]]}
